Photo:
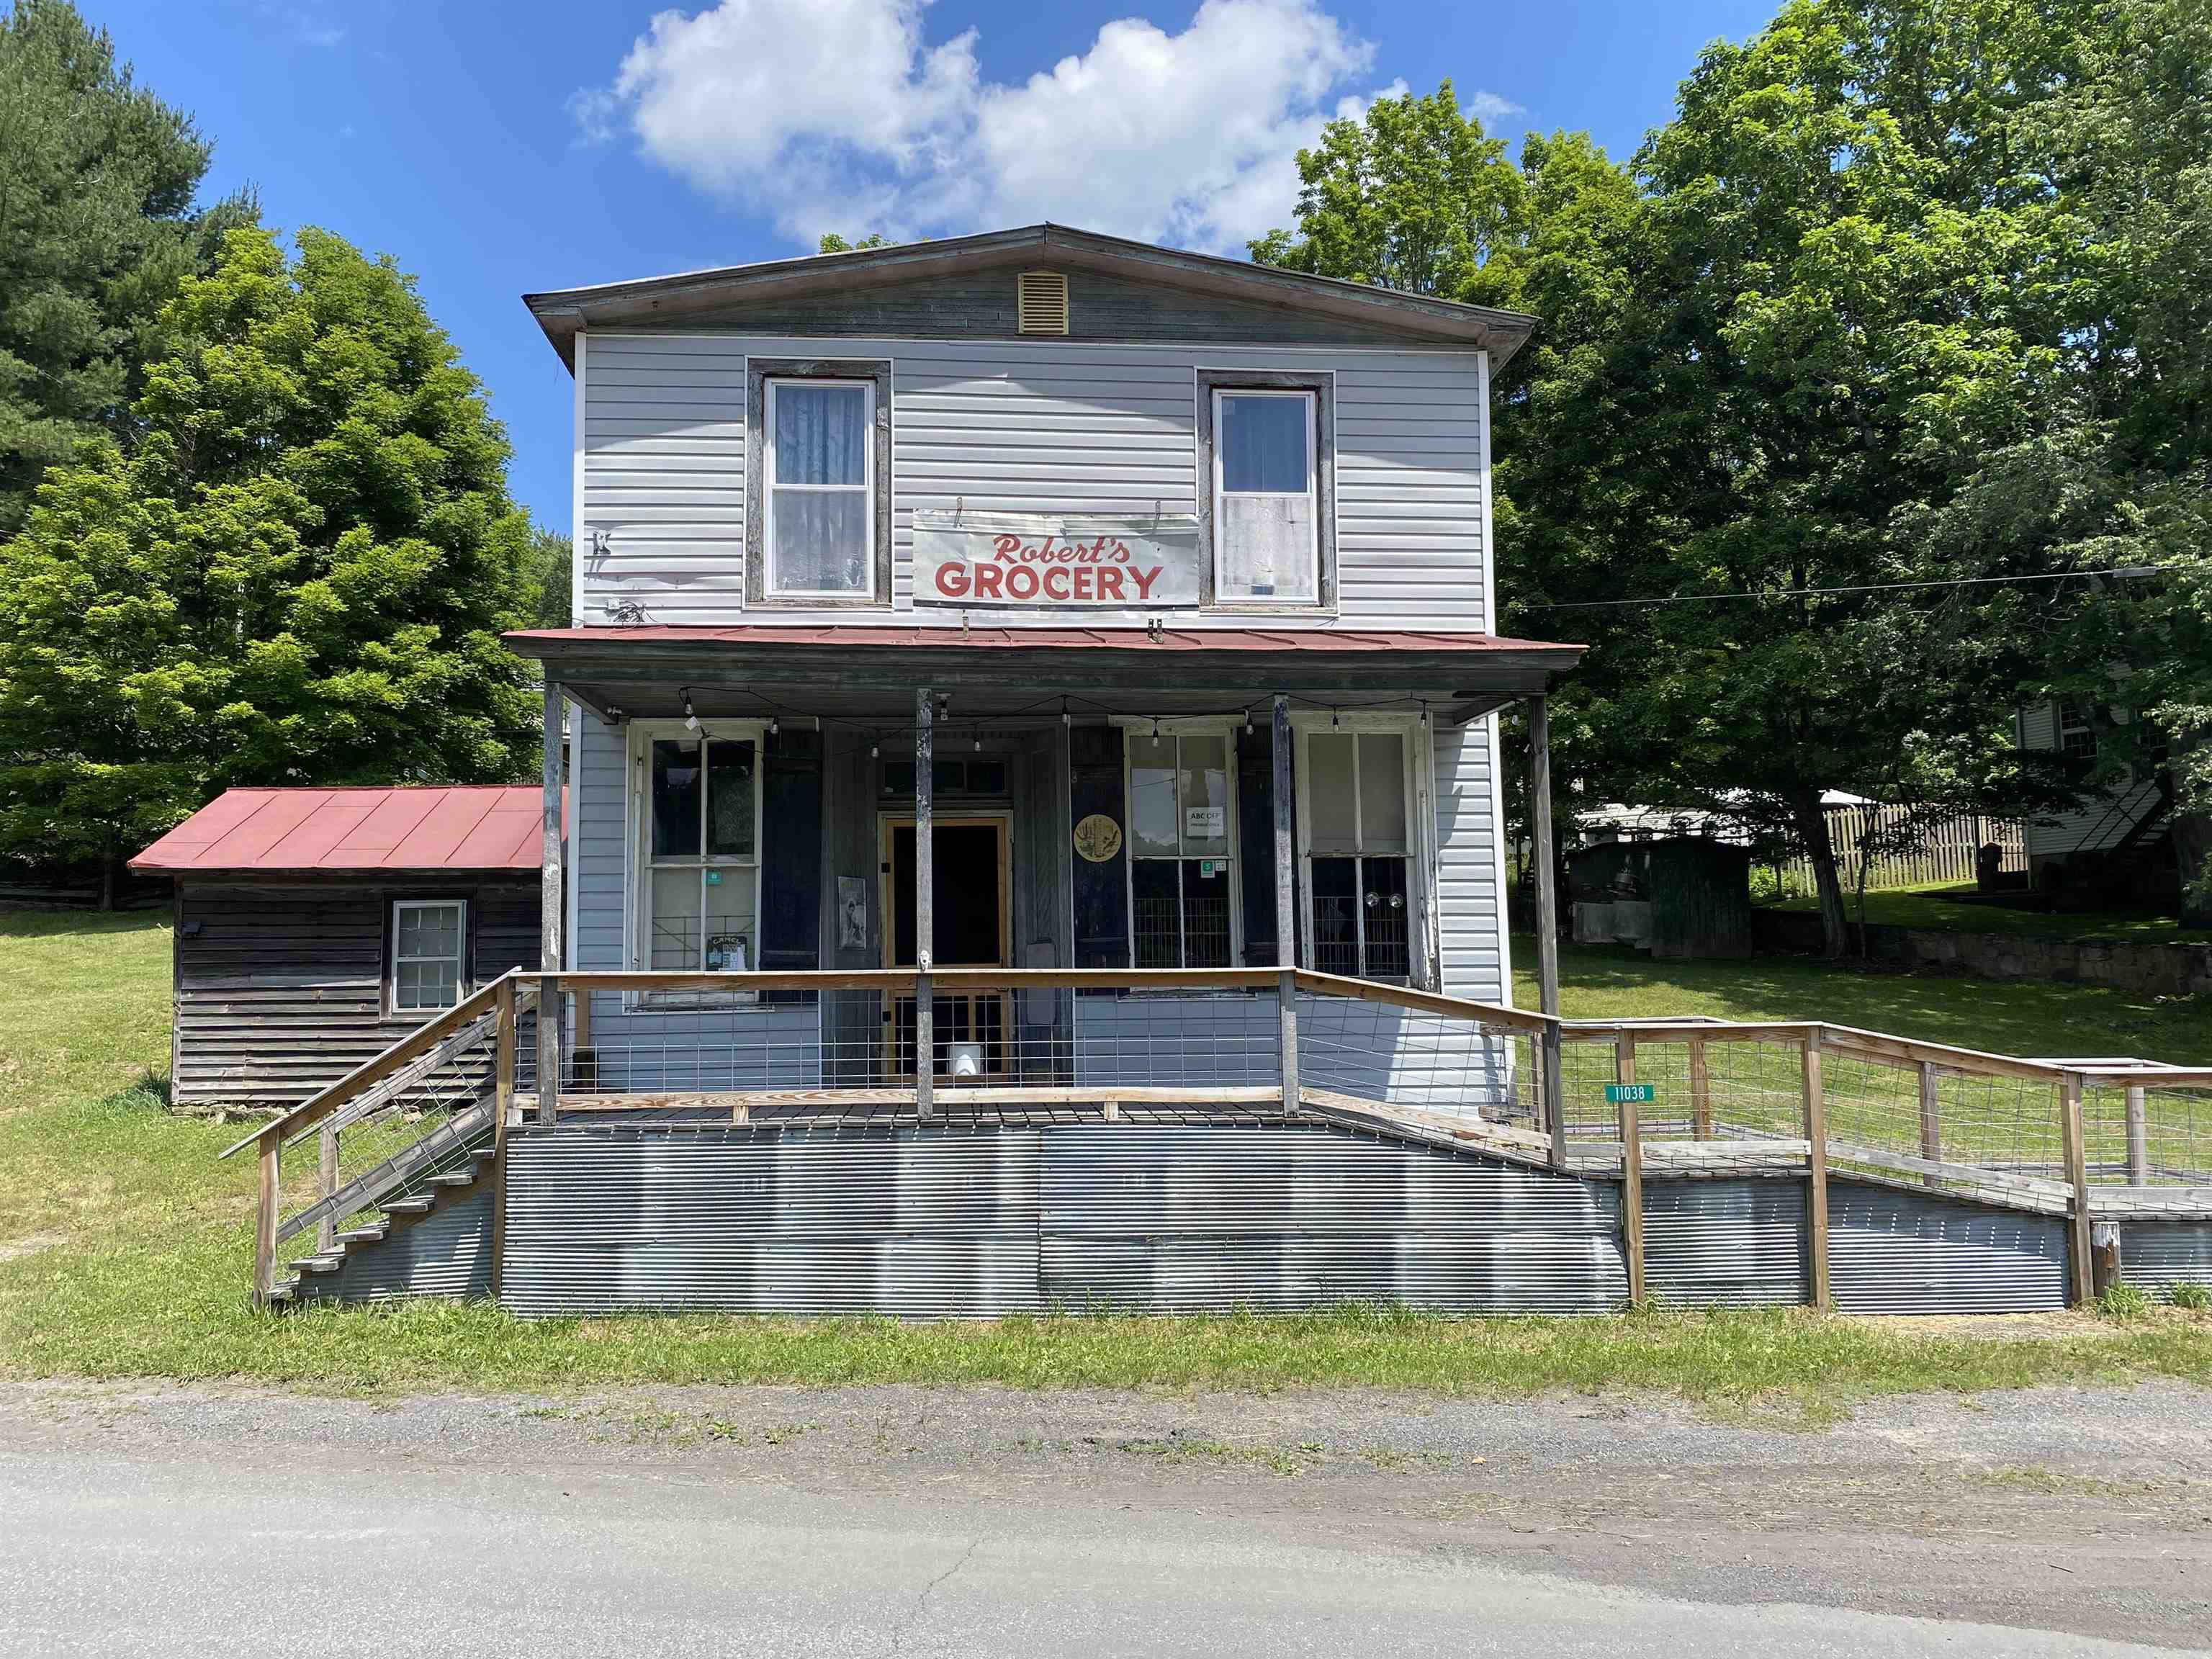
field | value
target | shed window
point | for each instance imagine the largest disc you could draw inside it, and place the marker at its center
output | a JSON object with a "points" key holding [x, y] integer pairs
{"points": [[1182, 845], [1267, 504], [821, 507], [702, 882], [428, 950], [1358, 853]]}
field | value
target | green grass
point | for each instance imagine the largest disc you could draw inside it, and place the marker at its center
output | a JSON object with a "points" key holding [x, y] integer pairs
{"points": [[2007, 1017], [1938, 905], [124, 1250]]}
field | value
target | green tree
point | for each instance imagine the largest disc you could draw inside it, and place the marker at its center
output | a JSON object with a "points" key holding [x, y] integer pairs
{"points": [[1411, 195], [299, 575], [833, 243], [546, 564], [98, 225]]}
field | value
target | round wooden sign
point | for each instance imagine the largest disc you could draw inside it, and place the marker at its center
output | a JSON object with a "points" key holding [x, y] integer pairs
{"points": [[1097, 838]]}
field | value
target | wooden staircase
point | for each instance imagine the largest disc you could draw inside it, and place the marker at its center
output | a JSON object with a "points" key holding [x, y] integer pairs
{"points": [[411, 1198]]}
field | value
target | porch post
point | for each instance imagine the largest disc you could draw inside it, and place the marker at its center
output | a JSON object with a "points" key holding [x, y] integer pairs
{"points": [[548, 910], [925, 918], [1548, 922], [1287, 935]]}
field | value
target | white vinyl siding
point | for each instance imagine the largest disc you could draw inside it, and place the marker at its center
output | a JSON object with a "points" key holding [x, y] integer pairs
{"points": [[2098, 822], [1027, 426]]}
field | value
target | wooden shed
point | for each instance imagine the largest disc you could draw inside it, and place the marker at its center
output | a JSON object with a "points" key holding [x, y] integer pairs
{"points": [[314, 927], [1679, 896]]}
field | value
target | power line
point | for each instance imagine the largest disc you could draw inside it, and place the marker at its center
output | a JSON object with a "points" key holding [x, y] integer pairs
{"points": [[1823, 593]]}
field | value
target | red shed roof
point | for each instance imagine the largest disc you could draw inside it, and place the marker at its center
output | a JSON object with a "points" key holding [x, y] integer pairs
{"points": [[444, 827]]}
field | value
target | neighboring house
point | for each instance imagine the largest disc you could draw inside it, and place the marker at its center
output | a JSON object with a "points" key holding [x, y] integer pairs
{"points": [[1107, 503], [2117, 845], [316, 926]]}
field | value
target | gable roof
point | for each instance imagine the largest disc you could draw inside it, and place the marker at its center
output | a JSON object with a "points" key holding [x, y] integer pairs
{"points": [[662, 302], [446, 827]]}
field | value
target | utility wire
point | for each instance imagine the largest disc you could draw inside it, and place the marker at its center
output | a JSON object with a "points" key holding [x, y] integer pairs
{"points": [[1823, 592]]}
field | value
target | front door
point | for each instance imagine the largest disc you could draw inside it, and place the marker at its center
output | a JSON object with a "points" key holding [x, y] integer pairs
{"points": [[972, 927]]}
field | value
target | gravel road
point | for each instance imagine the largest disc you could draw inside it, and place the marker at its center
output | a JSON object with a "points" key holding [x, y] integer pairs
{"points": [[983, 1521]]}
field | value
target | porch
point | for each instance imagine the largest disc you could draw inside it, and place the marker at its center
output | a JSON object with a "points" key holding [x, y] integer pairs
{"points": [[1704, 1163]]}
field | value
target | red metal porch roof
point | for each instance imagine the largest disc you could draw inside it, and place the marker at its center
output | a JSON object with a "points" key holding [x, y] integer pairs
{"points": [[442, 827], [872, 636]]}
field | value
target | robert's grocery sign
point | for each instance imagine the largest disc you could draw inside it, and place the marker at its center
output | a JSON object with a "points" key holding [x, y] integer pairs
{"points": [[1070, 562]]}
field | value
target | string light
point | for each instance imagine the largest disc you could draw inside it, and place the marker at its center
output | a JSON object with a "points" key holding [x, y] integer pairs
{"points": [[690, 715]]}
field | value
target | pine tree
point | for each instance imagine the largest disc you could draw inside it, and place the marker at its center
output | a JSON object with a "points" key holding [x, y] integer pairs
{"points": [[298, 575]]}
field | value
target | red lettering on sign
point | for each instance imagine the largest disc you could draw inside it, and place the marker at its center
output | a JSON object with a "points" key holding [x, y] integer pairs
{"points": [[990, 580], [1055, 584], [1109, 584], [953, 580], [1086, 577], [1147, 575], [1021, 583]]}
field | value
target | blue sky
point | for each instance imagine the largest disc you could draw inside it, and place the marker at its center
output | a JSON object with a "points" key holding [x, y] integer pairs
{"points": [[493, 147]]}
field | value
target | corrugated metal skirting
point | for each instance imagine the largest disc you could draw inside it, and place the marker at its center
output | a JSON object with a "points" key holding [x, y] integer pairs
{"points": [[2157, 1255], [1725, 1244], [446, 1253], [1892, 1251], [748, 1221], [1187, 1220]]}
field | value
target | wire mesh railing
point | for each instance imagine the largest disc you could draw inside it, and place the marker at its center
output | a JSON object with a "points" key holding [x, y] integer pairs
{"points": [[1633, 1098]]}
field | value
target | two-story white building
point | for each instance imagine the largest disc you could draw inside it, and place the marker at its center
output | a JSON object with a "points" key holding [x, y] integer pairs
{"points": [[1100, 560]]}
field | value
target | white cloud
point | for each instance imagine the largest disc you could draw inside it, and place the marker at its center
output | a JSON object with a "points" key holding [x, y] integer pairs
{"points": [[840, 115], [1490, 109]]}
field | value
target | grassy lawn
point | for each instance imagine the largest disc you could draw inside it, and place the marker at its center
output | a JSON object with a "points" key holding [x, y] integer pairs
{"points": [[1938, 905], [123, 1253], [2006, 1017]]}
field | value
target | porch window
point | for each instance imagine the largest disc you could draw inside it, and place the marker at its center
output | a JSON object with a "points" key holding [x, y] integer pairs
{"points": [[1180, 850], [702, 874], [1358, 853], [820, 533], [1266, 499], [428, 951]]}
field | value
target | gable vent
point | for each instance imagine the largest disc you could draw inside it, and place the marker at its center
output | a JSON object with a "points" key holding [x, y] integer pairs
{"points": [[1041, 302]]}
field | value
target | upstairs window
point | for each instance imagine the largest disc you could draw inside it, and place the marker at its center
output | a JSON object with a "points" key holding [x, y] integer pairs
{"points": [[1267, 506], [817, 500], [428, 954], [2077, 733], [1358, 854], [820, 533], [1182, 848]]}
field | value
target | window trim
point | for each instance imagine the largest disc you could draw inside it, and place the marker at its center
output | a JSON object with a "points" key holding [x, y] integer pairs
{"points": [[638, 834], [865, 488], [1207, 725], [461, 978], [1421, 969], [1208, 385], [2084, 723], [760, 372]]}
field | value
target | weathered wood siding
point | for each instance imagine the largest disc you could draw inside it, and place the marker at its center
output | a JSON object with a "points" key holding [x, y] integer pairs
{"points": [[1025, 426], [979, 305], [282, 991]]}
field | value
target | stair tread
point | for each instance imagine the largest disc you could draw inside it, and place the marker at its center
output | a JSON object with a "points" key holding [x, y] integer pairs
{"points": [[406, 1206], [361, 1236], [329, 1262], [453, 1178]]}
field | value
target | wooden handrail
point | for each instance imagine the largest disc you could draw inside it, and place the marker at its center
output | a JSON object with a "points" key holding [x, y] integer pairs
{"points": [[1429, 1002], [369, 1072]]}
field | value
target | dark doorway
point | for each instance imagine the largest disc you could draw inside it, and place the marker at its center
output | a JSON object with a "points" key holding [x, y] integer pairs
{"points": [[969, 928]]}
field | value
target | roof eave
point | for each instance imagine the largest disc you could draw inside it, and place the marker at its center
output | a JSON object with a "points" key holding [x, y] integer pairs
{"points": [[562, 314]]}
